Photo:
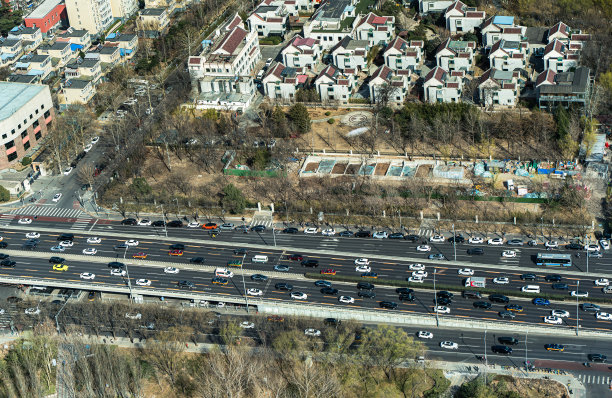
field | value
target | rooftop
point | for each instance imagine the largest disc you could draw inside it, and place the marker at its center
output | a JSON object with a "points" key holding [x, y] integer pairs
{"points": [[568, 82], [15, 95], [154, 12], [44, 8], [76, 84], [503, 20]]}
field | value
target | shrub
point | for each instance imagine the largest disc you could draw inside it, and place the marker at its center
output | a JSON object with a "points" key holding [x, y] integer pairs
{"points": [[331, 121], [327, 113], [26, 160], [5, 195]]}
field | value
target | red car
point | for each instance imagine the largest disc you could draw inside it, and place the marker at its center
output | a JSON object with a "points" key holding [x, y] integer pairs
{"points": [[295, 257], [328, 271], [210, 225], [175, 252]]}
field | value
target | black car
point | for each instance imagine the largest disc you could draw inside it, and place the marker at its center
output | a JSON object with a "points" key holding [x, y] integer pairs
{"points": [[177, 246], [597, 358], [396, 235], [4, 256], [404, 290], [476, 251], [329, 290], [485, 305], [175, 224], [29, 246], [444, 294], [310, 263], [412, 238], [129, 221], [501, 349], [331, 321], [121, 246], [574, 246], [258, 228], [363, 234], [115, 264], [553, 278], [241, 251], [158, 223], [259, 277], [515, 242], [3, 245], [388, 304], [365, 286], [529, 277], [197, 260], [499, 298], [506, 340], [560, 286], [185, 285], [57, 260], [443, 301], [471, 294], [406, 297], [346, 234], [322, 284], [64, 237], [8, 263], [284, 286], [366, 294], [590, 307], [507, 314], [456, 239], [290, 230]]}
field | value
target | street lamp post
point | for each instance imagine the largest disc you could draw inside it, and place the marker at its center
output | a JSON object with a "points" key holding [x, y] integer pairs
{"points": [[399, 214], [127, 273], [274, 233], [542, 228], [588, 241], [577, 314], [59, 312], [454, 243], [246, 296], [165, 221], [436, 298], [485, 354], [526, 362]]}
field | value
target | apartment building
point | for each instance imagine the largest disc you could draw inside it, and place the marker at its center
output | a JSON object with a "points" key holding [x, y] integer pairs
{"points": [[93, 16], [31, 37], [376, 30], [34, 65], [123, 9], [79, 39], [442, 86], [498, 87], [10, 51], [559, 57], [78, 91], [300, 52], [127, 43], [403, 55], [350, 54], [563, 89], [84, 69], [60, 51], [153, 21], [461, 18], [455, 55], [47, 16]]}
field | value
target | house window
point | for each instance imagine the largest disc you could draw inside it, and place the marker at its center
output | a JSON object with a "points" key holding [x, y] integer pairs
{"points": [[4, 136], [26, 146], [24, 134], [47, 114], [38, 135], [12, 156], [9, 144]]}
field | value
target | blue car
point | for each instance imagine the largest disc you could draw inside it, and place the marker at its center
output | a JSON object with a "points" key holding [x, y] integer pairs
{"points": [[58, 248], [540, 301], [323, 284], [437, 256], [282, 268]]}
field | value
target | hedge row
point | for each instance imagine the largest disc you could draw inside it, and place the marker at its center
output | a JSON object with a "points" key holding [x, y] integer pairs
{"points": [[453, 288]]}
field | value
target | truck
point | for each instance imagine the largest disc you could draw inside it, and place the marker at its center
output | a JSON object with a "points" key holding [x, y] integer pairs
{"points": [[475, 281]]}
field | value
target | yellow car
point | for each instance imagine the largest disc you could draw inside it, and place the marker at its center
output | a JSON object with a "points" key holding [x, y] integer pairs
{"points": [[60, 267]]}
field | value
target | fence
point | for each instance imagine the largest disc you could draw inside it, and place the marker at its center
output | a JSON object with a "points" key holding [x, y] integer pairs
{"points": [[253, 173]]}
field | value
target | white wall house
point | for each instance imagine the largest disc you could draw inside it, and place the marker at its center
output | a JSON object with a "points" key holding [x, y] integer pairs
{"points": [[376, 30], [559, 57], [455, 55], [301, 52], [351, 55], [331, 22], [396, 82], [281, 82], [433, 6], [508, 55], [461, 18], [442, 86], [332, 85], [500, 27], [403, 55], [498, 87], [32, 37], [268, 20]]}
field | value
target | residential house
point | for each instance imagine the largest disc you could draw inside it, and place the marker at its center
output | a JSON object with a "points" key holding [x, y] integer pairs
{"points": [[433, 6], [301, 52], [282, 82], [78, 91], [442, 86], [21, 78], [536, 40], [455, 55], [333, 85], [127, 43], [388, 85], [294, 7], [153, 21], [87, 69], [79, 39], [461, 18], [573, 38], [508, 55], [559, 57], [10, 51], [500, 27], [403, 55], [39, 66], [376, 30], [350, 54], [563, 89], [498, 87], [268, 20], [59, 51], [47, 16], [331, 22], [31, 37]]}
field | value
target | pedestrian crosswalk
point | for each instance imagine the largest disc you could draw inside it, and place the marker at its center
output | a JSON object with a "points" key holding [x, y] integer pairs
{"points": [[594, 379], [425, 232], [268, 223], [48, 211], [5, 219], [81, 223]]}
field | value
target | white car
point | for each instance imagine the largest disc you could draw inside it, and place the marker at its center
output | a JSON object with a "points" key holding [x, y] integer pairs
{"points": [[415, 279], [193, 224], [362, 261], [363, 268], [581, 293], [424, 335], [247, 325], [476, 240], [67, 171], [552, 244], [423, 248], [32, 235], [144, 222], [509, 253], [25, 221], [171, 270], [312, 332], [380, 235], [95, 140], [602, 282], [88, 275], [66, 243], [143, 282], [416, 267], [449, 345], [32, 311], [420, 274], [311, 230], [254, 292], [553, 319], [495, 241], [58, 248], [591, 248], [560, 313], [94, 239], [56, 197], [329, 232], [299, 296], [604, 316], [604, 244], [437, 238], [131, 242], [465, 271], [442, 309], [346, 299], [501, 280], [90, 251], [87, 148], [117, 272]]}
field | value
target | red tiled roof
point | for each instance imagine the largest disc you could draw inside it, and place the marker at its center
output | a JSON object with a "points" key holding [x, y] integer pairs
{"points": [[580, 37], [232, 40], [378, 20], [475, 14], [194, 60], [235, 22], [274, 19], [559, 27], [518, 56], [459, 73], [455, 6], [299, 41], [548, 76], [452, 85], [436, 73], [416, 43], [350, 71], [508, 86], [512, 30]]}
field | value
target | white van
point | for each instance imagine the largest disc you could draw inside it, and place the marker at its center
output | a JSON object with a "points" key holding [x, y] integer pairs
{"points": [[531, 289], [224, 272], [259, 259]]}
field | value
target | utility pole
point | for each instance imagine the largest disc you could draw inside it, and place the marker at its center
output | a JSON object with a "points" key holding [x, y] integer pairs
{"points": [[526, 362], [60, 310], [274, 234], [577, 314], [485, 355], [454, 242], [588, 241], [127, 273], [436, 298], [246, 296]]}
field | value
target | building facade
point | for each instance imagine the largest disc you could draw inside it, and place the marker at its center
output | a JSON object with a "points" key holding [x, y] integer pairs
{"points": [[92, 15]]}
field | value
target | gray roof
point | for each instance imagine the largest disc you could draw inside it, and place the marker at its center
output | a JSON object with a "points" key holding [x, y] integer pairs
{"points": [[58, 45], [39, 58], [153, 11], [124, 37], [502, 75], [333, 9], [15, 95], [25, 79], [74, 33], [536, 35], [76, 83], [10, 42], [44, 8], [568, 82], [265, 9], [108, 50], [89, 63]]}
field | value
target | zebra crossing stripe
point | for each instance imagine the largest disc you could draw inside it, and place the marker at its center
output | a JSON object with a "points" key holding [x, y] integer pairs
{"points": [[48, 211]]}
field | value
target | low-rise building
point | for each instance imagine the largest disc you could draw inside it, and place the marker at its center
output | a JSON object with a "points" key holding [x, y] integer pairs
{"points": [[34, 65], [10, 51], [333, 85], [47, 16], [442, 86], [388, 85], [86, 69], [433, 6], [563, 89], [350, 54], [559, 57], [127, 43], [403, 55], [455, 55], [300, 52], [461, 18], [498, 87], [59, 51], [79, 39], [153, 21], [107, 55], [78, 91], [499, 28], [508, 55], [331, 22], [376, 30], [268, 20], [281, 82], [230, 93], [31, 37]]}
